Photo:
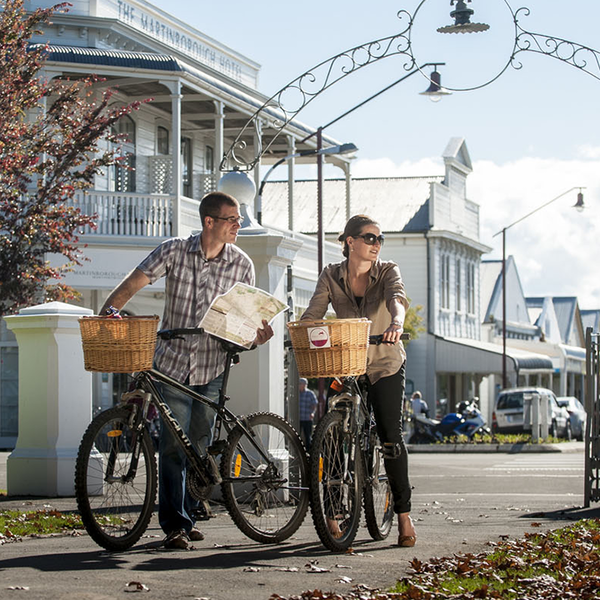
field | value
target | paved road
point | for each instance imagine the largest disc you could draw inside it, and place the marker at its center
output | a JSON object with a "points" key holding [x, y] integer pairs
{"points": [[461, 503]]}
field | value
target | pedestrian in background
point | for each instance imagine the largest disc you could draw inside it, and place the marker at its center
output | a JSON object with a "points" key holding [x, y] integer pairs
{"points": [[419, 406], [308, 406]]}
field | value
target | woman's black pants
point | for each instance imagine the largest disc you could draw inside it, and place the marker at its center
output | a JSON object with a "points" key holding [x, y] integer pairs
{"points": [[387, 399]]}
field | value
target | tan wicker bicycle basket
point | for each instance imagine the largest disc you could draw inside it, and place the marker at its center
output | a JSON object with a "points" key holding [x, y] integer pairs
{"points": [[118, 345], [330, 348]]}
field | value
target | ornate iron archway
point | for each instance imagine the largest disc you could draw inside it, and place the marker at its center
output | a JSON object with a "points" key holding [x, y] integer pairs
{"points": [[281, 108]]}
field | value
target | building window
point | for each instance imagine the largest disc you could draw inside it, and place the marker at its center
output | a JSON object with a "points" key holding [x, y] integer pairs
{"points": [[209, 159], [123, 174], [162, 140], [186, 165], [458, 286], [445, 281], [471, 289]]}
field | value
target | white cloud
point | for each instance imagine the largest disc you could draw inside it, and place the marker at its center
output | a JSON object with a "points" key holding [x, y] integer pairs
{"points": [[385, 167], [556, 248]]}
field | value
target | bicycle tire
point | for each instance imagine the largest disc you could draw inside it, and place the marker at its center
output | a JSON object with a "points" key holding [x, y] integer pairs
{"points": [[336, 482], [115, 512], [267, 504], [377, 499]]}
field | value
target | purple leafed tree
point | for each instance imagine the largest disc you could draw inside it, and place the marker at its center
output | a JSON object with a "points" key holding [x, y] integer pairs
{"points": [[50, 148]]}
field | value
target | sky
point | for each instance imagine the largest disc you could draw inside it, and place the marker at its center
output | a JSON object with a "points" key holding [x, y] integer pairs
{"points": [[532, 134]]}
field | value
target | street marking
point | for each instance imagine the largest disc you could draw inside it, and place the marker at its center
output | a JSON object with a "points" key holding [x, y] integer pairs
{"points": [[540, 463]]}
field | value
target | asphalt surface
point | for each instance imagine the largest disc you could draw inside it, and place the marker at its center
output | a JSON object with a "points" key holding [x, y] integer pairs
{"points": [[462, 502]]}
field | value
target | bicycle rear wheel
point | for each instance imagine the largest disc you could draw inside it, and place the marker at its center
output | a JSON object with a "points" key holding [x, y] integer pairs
{"points": [[115, 491], [378, 501], [267, 500], [336, 483]]}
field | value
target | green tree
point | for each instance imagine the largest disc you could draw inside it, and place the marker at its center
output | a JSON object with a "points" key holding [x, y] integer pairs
{"points": [[413, 323], [50, 134]]}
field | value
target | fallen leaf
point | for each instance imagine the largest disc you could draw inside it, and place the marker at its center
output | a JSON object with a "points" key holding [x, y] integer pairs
{"points": [[343, 580], [18, 587], [287, 569], [136, 586], [311, 567], [251, 569]]}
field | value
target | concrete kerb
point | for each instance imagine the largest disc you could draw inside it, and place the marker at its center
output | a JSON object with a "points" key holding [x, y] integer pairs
{"points": [[495, 448]]}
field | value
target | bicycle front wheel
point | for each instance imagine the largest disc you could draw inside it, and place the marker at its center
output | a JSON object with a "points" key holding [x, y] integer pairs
{"points": [[115, 480], [336, 483], [379, 505], [266, 495]]}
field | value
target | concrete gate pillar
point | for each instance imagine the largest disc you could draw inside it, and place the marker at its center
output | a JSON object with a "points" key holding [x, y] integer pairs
{"points": [[257, 384], [55, 400]]}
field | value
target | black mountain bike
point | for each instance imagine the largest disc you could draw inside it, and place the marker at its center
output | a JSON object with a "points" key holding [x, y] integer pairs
{"points": [[263, 471], [347, 468]]}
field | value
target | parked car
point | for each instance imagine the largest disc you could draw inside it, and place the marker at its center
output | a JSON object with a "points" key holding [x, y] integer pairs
{"points": [[577, 415], [512, 412]]}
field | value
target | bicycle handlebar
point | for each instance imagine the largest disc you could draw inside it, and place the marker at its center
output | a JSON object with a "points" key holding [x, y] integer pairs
{"points": [[171, 334], [376, 340]]}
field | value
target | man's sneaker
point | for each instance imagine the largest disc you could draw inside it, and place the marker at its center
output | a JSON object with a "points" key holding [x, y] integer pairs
{"points": [[195, 535], [177, 540]]}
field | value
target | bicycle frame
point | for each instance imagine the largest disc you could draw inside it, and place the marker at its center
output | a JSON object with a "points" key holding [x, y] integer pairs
{"points": [[208, 473], [263, 469], [352, 401]]}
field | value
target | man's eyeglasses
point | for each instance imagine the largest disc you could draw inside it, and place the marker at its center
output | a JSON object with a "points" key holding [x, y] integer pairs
{"points": [[232, 220], [371, 238]]}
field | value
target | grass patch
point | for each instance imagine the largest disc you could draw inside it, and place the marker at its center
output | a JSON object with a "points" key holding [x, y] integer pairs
{"points": [[500, 438], [558, 564], [16, 524], [563, 563]]}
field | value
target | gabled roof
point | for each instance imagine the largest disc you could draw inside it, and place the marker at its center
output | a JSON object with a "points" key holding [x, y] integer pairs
{"points": [[591, 318], [399, 204], [456, 152], [490, 280], [566, 310]]}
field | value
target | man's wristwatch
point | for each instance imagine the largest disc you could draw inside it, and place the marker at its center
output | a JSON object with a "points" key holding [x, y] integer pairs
{"points": [[397, 323]]}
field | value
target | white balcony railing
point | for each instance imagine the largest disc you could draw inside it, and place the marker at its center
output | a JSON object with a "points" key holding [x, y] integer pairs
{"points": [[121, 213]]}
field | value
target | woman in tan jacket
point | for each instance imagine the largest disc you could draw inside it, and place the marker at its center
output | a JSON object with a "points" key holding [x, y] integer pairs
{"points": [[365, 286]]}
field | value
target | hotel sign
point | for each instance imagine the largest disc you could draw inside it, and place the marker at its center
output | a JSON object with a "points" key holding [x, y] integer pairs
{"points": [[162, 27]]}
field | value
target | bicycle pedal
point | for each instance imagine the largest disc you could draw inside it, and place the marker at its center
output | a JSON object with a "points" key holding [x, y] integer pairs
{"points": [[203, 512], [217, 448]]}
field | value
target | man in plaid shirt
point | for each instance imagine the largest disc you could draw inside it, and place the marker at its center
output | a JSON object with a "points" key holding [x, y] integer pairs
{"points": [[197, 269]]}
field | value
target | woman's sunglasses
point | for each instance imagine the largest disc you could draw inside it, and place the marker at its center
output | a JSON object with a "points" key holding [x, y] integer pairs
{"points": [[371, 238]]}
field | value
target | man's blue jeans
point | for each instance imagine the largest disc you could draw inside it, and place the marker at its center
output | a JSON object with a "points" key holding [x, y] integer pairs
{"points": [[175, 504]]}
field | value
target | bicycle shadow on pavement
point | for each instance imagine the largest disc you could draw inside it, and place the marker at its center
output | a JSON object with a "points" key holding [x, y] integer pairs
{"points": [[235, 556], [67, 561], [152, 557]]}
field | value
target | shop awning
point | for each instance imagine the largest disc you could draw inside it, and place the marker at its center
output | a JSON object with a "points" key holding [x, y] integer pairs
{"points": [[461, 355]]}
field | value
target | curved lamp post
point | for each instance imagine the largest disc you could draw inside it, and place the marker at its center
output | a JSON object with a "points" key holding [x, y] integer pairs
{"points": [[579, 206]]}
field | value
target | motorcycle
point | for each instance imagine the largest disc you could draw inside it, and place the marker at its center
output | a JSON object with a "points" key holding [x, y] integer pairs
{"points": [[467, 421]]}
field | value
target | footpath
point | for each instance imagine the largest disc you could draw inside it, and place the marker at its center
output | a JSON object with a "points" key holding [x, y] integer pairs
{"points": [[228, 566]]}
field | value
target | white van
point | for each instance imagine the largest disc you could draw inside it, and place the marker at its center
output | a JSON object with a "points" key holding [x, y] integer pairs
{"points": [[512, 412]]}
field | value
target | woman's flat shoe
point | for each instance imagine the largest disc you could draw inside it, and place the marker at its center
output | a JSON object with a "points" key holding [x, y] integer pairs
{"points": [[407, 541]]}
